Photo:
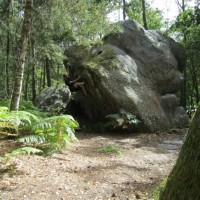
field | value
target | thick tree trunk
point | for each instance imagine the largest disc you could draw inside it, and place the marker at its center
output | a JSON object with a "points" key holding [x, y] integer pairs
{"points": [[184, 181], [23, 43]]}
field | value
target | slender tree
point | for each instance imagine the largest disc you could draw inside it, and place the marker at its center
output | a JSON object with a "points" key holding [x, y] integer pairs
{"points": [[144, 15], [33, 70], [7, 65], [124, 9], [48, 72], [23, 43]]}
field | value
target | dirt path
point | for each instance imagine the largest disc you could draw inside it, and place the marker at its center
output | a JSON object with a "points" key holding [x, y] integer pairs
{"points": [[82, 172]]}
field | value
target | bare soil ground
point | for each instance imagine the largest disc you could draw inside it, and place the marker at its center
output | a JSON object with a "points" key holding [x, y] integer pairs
{"points": [[81, 171]]}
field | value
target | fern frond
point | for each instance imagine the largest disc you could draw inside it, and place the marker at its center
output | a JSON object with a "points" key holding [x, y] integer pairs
{"points": [[70, 133], [24, 150], [63, 119], [32, 139], [41, 126], [18, 118], [25, 117]]}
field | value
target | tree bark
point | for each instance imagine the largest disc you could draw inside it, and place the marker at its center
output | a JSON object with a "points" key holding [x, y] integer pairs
{"points": [[26, 86], [33, 71], [48, 72], [23, 43], [144, 15], [184, 181], [124, 9], [183, 96], [7, 66]]}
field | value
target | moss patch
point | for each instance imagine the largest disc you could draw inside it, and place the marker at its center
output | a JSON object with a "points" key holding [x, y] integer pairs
{"points": [[159, 188]]}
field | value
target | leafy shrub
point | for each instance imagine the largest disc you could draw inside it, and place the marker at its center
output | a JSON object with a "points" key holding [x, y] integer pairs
{"points": [[122, 121]]}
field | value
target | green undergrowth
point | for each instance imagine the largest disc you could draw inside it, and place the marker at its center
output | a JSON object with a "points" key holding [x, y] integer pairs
{"points": [[111, 149], [36, 133]]}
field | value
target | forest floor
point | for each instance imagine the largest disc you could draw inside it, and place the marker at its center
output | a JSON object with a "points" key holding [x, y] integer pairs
{"points": [[81, 171]]}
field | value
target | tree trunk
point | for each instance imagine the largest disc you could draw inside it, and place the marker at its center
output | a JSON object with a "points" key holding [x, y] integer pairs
{"points": [[7, 66], [184, 181], [33, 71], [124, 9], [195, 81], [44, 78], [183, 97], [23, 43], [26, 87], [48, 72], [144, 15]]}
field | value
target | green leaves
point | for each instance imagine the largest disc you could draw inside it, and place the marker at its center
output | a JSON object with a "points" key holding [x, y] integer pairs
{"points": [[54, 132], [123, 121], [10, 122], [24, 150], [154, 16]]}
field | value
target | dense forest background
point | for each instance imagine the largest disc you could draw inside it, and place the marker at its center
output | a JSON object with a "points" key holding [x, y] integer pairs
{"points": [[34, 35]]}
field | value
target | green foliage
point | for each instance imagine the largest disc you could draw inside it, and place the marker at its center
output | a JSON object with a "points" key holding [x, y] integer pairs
{"points": [[111, 149], [53, 132], [154, 17], [122, 121], [24, 150], [186, 30], [10, 122]]}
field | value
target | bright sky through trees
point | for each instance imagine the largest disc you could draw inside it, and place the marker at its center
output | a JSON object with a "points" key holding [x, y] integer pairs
{"points": [[169, 7]]}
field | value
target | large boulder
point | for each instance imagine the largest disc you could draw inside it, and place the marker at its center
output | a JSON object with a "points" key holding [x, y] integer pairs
{"points": [[53, 99], [137, 70]]}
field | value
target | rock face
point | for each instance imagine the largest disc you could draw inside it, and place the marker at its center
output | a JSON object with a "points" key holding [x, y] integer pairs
{"points": [[137, 70], [53, 99]]}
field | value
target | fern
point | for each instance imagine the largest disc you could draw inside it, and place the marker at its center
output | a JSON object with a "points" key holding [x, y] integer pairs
{"points": [[38, 139], [54, 132], [24, 150], [122, 121], [10, 122]]}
